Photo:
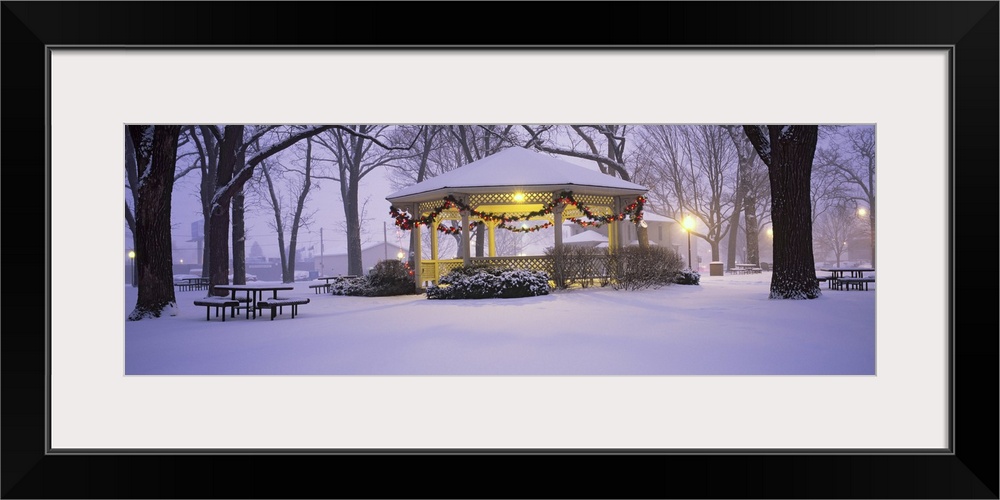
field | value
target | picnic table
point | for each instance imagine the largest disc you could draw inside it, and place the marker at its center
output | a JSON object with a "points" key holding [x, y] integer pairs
{"points": [[847, 276], [254, 293], [188, 284], [745, 269]]}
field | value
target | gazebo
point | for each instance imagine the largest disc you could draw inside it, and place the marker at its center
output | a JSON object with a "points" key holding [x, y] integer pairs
{"points": [[507, 188]]}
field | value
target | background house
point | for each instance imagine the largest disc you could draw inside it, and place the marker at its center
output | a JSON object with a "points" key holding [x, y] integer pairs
{"points": [[663, 232], [336, 264]]}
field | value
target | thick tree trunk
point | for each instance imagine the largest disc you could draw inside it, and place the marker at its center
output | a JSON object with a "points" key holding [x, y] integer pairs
{"points": [[239, 241], [752, 230], [219, 220], [734, 220], [239, 228], [353, 217], [299, 207], [153, 253], [788, 151], [480, 240]]}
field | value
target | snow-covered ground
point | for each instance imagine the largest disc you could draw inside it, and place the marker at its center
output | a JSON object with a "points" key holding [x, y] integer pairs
{"points": [[724, 326]]}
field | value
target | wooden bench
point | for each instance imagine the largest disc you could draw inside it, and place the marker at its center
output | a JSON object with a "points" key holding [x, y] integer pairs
{"points": [[322, 287], [275, 305], [855, 283], [218, 303]]}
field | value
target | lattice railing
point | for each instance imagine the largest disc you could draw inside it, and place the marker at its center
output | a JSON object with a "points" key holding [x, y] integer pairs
{"points": [[576, 269], [542, 263], [432, 270]]}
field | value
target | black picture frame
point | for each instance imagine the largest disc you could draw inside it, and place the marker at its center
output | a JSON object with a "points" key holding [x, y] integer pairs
{"points": [[969, 471]]}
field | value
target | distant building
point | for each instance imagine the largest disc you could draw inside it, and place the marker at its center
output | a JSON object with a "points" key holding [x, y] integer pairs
{"points": [[662, 232], [336, 264]]}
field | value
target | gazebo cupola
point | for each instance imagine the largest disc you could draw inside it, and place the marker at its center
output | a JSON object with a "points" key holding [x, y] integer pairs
{"points": [[506, 189]]}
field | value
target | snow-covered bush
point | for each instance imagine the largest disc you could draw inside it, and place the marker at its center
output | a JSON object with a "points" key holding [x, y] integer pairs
{"points": [[637, 268], [687, 277], [477, 282], [349, 286], [575, 265], [388, 277]]}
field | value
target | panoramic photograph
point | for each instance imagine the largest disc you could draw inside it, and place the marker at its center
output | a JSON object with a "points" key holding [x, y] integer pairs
{"points": [[502, 250]]}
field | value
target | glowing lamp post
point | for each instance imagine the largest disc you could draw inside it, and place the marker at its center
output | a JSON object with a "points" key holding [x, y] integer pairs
{"points": [[688, 227], [131, 260]]}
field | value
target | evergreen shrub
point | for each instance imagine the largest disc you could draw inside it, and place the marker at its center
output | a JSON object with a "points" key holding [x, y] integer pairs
{"points": [[480, 282], [388, 277]]}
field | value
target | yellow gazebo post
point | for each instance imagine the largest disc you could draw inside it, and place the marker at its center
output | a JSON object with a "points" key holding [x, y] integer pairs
{"points": [[417, 251], [491, 228]]}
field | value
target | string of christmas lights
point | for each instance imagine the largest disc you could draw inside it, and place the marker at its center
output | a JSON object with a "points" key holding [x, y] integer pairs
{"points": [[406, 221], [523, 229]]}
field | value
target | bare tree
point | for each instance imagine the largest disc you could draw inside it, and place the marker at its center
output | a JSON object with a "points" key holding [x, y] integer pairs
{"points": [[132, 175], [353, 157], [156, 159], [696, 167], [751, 187], [297, 184], [833, 230], [788, 152], [204, 138], [850, 160], [232, 174]]}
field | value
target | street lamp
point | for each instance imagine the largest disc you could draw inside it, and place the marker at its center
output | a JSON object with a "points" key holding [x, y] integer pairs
{"points": [[131, 260], [863, 214], [688, 226]]}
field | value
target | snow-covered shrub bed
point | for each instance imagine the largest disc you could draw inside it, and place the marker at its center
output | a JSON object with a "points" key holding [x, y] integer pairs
{"points": [[489, 283], [348, 286], [579, 266], [687, 277], [637, 268], [388, 277]]}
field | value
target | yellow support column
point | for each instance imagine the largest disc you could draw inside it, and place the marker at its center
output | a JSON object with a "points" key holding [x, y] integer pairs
{"points": [[491, 227], [417, 254], [434, 248]]}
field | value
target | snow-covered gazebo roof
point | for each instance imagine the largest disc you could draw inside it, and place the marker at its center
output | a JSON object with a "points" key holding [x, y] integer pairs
{"points": [[516, 168]]}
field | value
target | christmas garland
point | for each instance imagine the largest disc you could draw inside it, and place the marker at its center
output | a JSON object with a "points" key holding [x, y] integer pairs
{"points": [[524, 229], [405, 221]]}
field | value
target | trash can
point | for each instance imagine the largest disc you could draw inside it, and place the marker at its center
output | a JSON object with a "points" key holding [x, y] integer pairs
{"points": [[313, 275], [715, 269]]}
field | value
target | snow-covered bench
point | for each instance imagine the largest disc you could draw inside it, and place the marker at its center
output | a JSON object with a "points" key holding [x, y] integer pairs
{"points": [[276, 305], [855, 283], [218, 303]]}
